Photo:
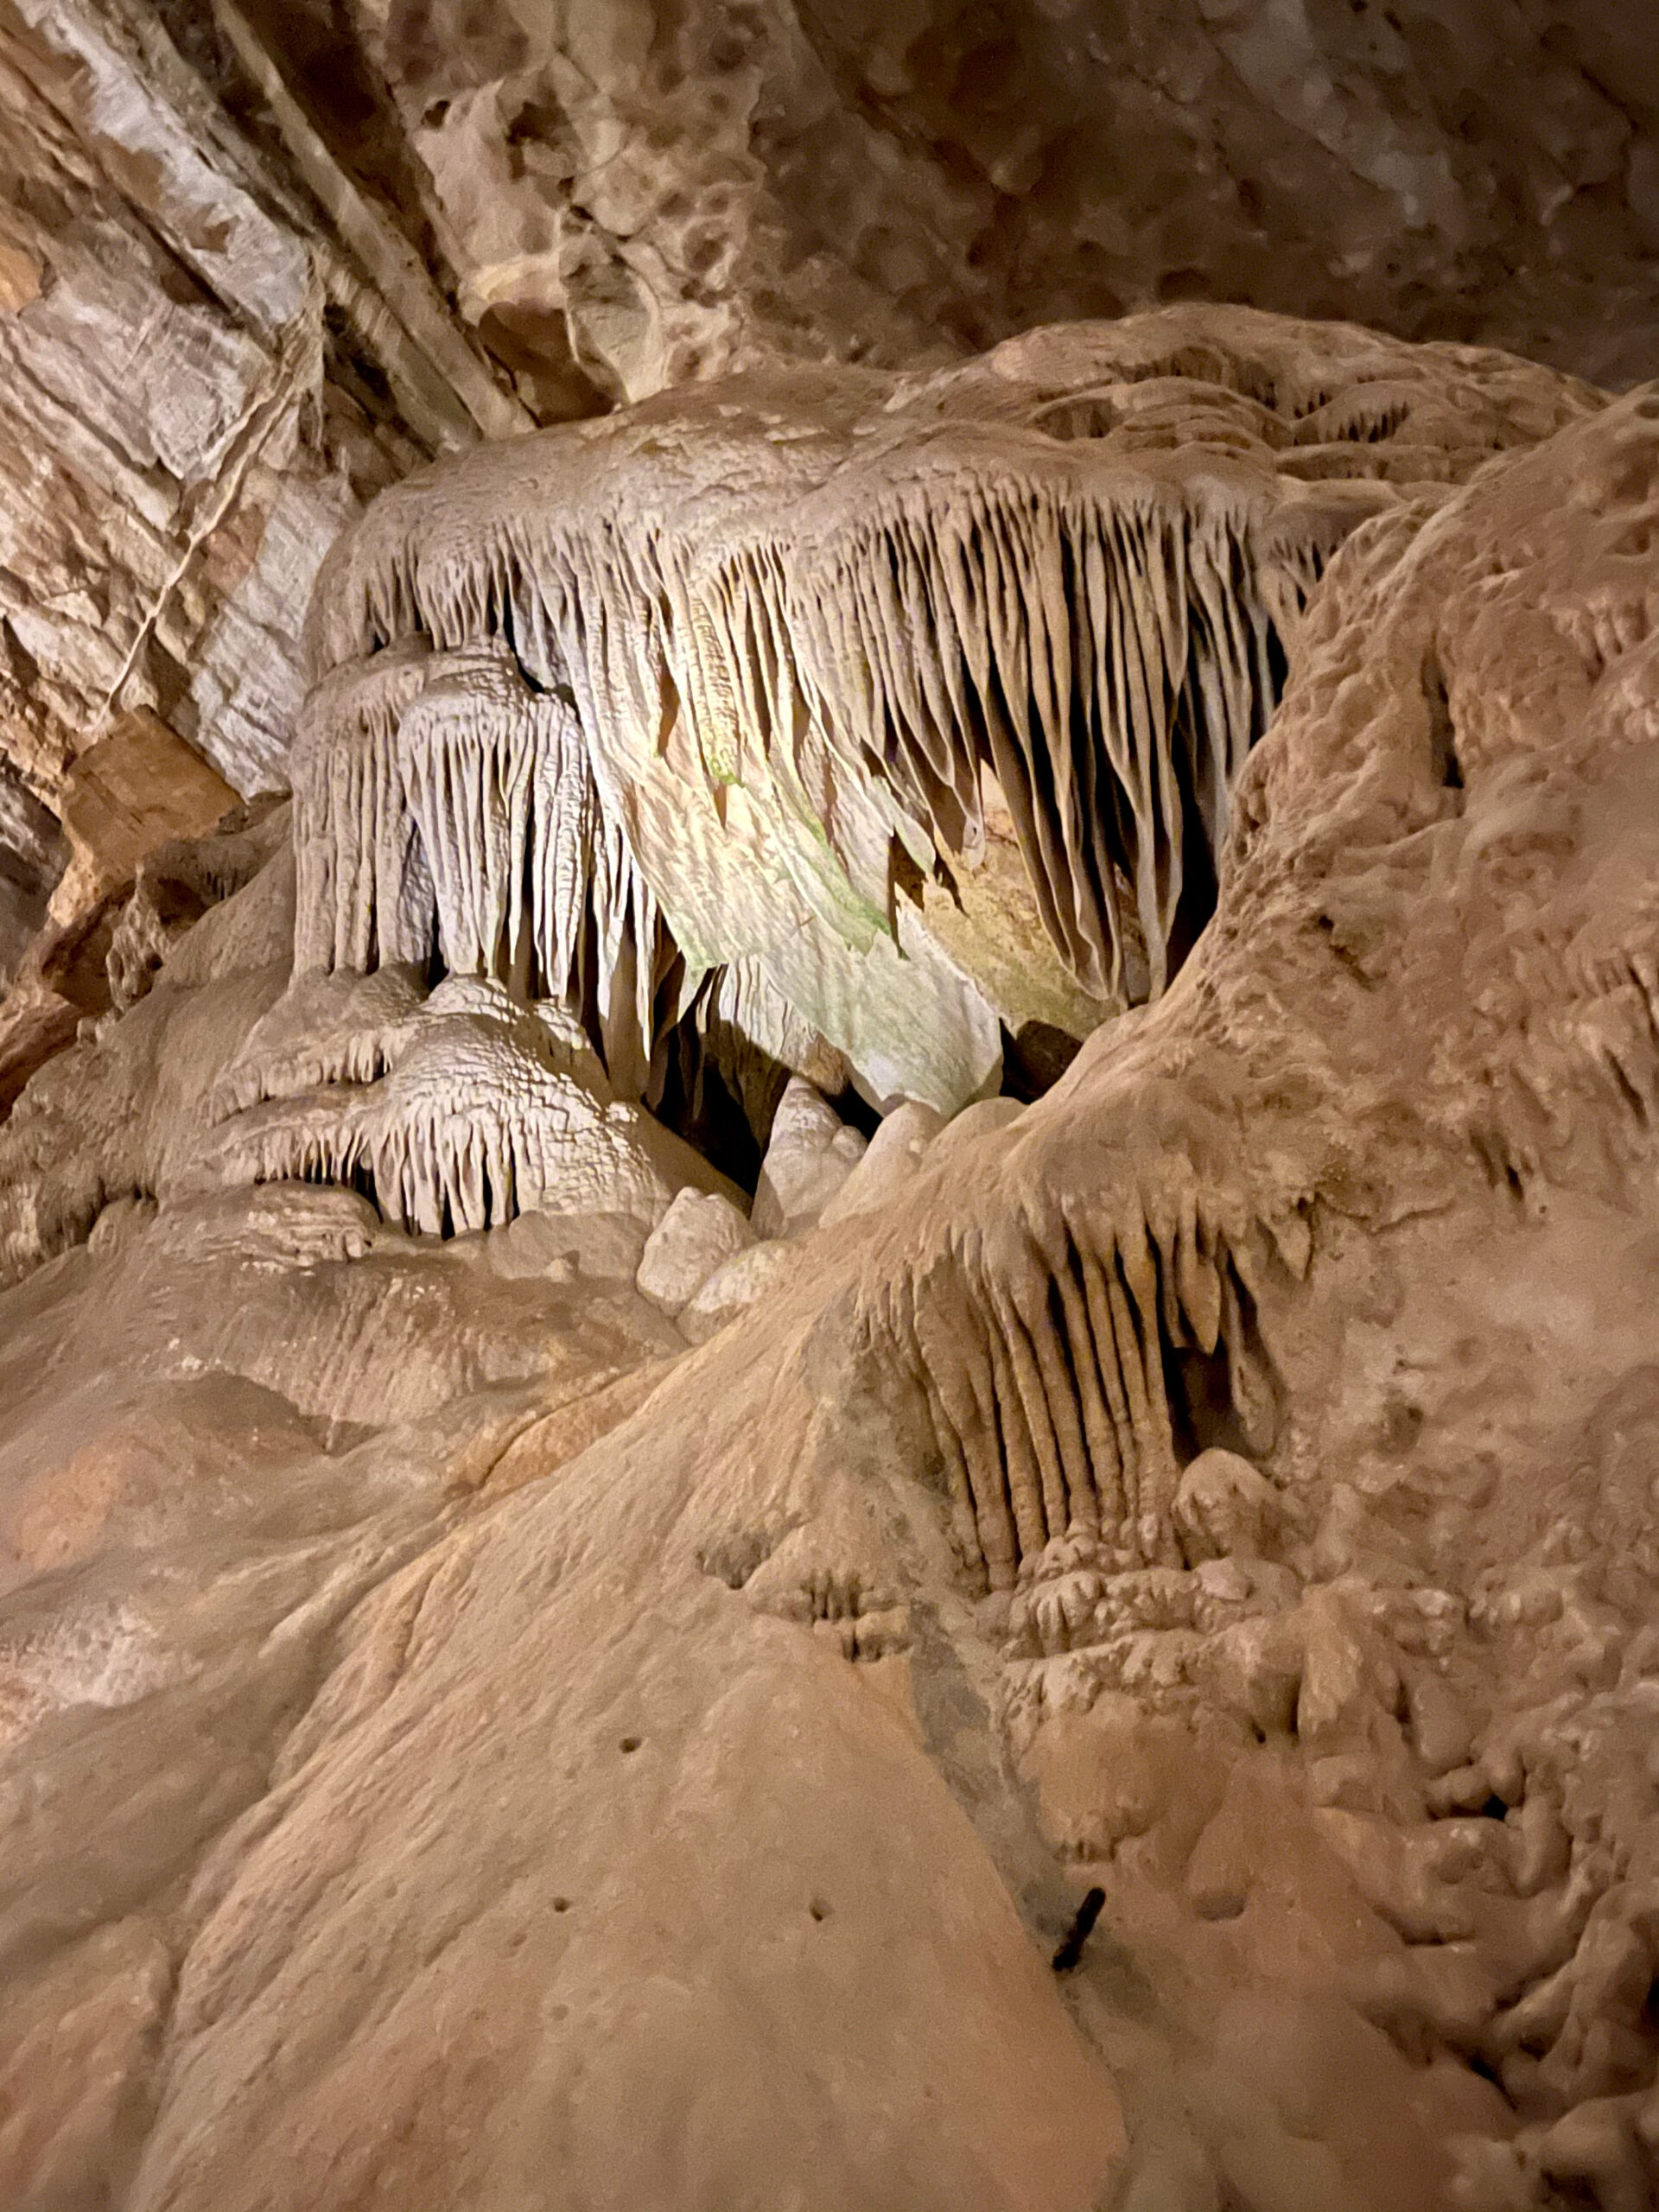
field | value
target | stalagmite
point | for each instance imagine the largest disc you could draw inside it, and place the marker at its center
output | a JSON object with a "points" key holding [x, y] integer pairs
{"points": [[1215, 1481]]}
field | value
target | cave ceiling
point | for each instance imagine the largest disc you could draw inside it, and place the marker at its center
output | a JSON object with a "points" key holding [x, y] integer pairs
{"points": [[255, 262]]}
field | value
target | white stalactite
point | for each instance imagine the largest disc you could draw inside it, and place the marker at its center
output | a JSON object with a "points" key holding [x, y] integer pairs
{"points": [[1105, 651], [456, 1113], [726, 681]]}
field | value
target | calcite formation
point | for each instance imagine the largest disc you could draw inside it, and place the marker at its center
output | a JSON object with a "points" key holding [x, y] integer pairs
{"points": [[874, 685], [844, 722], [1472, 709], [467, 1109], [1095, 1648], [256, 263]]}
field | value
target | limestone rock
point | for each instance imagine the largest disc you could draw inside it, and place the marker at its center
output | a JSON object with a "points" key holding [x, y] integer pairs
{"points": [[700, 1231], [135, 790], [894, 1154], [32, 856], [1223, 1508], [138, 786], [394, 239], [1126, 1674], [603, 1247], [810, 1155], [172, 510], [985, 1117], [746, 1280], [908, 183], [176, 884], [35, 1023]]}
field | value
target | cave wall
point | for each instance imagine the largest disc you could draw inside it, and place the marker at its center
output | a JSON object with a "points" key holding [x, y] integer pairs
{"points": [[461, 1671], [255, 261]]}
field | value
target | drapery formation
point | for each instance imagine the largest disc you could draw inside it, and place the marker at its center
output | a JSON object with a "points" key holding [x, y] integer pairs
{"points": [[445, 810], [1102, 652], [1071, 1364], [773, 671], [452, 1111]]}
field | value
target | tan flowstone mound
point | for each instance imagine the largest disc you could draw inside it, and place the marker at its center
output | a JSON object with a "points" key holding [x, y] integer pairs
{"points": [[698, 1233], [464, 1746]]}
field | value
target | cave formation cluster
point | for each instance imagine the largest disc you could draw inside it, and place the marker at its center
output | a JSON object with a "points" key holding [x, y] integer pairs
{"points": [[827, 1119]]}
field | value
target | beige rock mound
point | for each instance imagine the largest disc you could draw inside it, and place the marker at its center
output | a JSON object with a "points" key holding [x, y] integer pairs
{"points": [[467, 1748], [1365, 1199]]}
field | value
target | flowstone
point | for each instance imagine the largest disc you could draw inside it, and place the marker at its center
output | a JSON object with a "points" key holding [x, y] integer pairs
{"points": [[841, 724], [1287, 1375], [1119, 1666]]}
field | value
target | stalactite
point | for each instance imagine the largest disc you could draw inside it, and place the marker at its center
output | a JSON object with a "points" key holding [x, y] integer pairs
{"points": [[535, 882], [444, 806], [1047, 1371], [363, 895], [1105, 650], [470, 1109], [749, 683]]}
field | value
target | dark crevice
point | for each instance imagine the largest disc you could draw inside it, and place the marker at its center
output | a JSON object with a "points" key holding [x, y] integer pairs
{"points": [[1202, 1412], [1444, 762]]}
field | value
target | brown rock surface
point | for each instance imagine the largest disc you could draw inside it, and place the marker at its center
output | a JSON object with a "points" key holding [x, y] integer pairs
{"points": [[254, 261], [31, 860], [466, 1746], [1109, 1658], [132, 792]]}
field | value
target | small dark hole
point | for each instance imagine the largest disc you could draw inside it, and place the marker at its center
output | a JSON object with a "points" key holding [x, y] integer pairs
{"points": [[560, 1904], [1488, 2072], [1226, 1906], [1494, 1809], [818, 1909], [1442, 735], [630, 1742]]}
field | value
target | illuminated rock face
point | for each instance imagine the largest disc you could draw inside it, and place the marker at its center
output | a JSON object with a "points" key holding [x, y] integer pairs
{"points": [[838, 721], [916, 702], [1446, 826], [256, 263], [1091, 1645], [521, 1686]]}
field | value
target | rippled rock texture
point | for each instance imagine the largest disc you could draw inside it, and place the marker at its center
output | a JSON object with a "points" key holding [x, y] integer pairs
{"points": [[1101, 1651], [257, 260], [842, 1392]]}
